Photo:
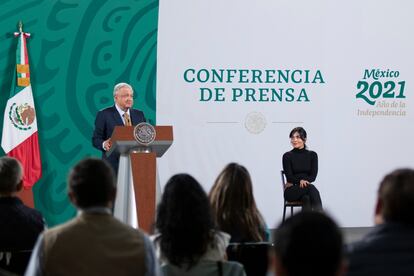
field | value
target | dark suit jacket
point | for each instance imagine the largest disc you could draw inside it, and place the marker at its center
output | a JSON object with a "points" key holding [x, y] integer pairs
{"points": [[105, 122], [19, 228], [387, 250], [19, 225]]}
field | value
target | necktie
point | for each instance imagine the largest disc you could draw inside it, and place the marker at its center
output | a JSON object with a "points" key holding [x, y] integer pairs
{"points": [[127, 119]]}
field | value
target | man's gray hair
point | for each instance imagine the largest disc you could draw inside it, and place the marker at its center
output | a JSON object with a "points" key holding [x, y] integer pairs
{"points": [[11, 173], [120, 85]]}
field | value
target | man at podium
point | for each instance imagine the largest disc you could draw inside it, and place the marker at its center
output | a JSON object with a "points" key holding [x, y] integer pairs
{"points": [[121, 113]]}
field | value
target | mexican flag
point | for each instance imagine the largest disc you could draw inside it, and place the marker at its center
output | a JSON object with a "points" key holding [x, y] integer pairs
{"points": [[20, 139]]}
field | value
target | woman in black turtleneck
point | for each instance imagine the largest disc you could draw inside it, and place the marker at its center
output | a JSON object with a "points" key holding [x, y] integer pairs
{"points": [[301, 167]]}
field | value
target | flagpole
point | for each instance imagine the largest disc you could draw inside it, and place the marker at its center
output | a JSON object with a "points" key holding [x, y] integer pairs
{"points": [[20, 134]]}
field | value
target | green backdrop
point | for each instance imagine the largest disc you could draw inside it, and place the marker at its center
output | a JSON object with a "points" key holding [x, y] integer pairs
{"points": [[78, 51]]}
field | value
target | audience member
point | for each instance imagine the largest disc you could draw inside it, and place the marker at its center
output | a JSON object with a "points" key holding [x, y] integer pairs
{"points": [[308, 243], [93, 243], [20, 225], [187, 239], [389, 248], [234, 207]]}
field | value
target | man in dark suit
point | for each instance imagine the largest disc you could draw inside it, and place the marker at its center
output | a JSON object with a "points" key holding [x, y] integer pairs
{"points": [[19, 225], [389, 248], [121, 113]]}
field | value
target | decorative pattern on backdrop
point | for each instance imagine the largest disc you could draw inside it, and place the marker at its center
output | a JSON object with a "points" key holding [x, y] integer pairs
{"points": [[79, 50]]}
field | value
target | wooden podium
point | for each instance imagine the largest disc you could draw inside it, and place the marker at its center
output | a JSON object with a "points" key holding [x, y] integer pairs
{"points": [[136, 185]]}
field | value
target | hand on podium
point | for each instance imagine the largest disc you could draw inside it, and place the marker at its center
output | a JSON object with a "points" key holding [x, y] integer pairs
{"points": [[107, 144]]}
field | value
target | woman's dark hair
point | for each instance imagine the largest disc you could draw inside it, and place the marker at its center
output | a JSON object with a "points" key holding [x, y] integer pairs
{"points": [[184, 221], [302, 134], [301, 131], [233, 204]]}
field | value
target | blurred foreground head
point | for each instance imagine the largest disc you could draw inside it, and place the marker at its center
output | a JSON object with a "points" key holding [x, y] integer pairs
{"points": [[91, 183], [396, 197], [184, 221], [308, 243], [11, 175]]}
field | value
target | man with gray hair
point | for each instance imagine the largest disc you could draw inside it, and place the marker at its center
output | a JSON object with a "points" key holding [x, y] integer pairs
{"points": [[19, 225], [120, 114]]}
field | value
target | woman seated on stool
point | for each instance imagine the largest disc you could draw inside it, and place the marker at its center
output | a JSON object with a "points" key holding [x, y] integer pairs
{"points": [[301, 168]]}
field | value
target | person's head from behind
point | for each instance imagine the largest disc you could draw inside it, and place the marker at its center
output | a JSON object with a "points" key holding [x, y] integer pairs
{"points": [[396, 197], [91, 183], [11, 176], [298, 137], [233, 203], [184, 221], [308, 243]]}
